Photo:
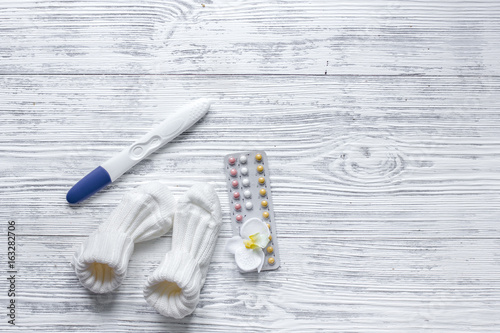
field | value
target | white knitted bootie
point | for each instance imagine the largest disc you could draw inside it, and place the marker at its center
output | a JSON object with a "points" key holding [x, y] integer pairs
{"points": [[174, 287], [144, 213]]}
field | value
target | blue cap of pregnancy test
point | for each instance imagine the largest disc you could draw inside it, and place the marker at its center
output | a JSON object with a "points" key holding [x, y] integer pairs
{"points": [[88, 185]]}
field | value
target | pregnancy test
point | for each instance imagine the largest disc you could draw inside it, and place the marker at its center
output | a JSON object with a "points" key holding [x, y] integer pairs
{"points": [[113, 168]]}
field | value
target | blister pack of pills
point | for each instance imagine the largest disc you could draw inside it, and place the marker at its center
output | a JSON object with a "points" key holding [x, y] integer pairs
{"points": [[252, 214]]}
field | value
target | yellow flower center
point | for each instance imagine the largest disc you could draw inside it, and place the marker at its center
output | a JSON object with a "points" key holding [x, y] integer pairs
{"points": [[252, 243]]}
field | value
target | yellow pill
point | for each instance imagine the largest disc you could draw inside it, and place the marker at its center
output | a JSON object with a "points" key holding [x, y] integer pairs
{"points": [[270, 237], [271, 261], [264, 203], [262, 180], [268, 225], [258, 157], [260, 168], [262, 192], [265, 215], [270, 249]]}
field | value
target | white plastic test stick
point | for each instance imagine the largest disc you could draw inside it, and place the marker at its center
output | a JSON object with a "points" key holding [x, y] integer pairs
{"points": [[116, 166]]}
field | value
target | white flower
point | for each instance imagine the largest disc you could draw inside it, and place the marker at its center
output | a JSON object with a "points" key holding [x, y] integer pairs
{"points": [[247, 248]]}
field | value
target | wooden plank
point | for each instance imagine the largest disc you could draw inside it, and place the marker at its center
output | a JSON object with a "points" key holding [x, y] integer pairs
{"points": [[253, 37], [338, 285], [351, 157]]}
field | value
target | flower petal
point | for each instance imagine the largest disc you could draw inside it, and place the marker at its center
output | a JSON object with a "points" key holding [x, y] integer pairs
{"points": [[249, 260], [255, 226], [262, 240], [263, 257], [234, 243]]}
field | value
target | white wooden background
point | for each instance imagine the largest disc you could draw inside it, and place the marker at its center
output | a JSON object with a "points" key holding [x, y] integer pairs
{"points": [[381, 120]]}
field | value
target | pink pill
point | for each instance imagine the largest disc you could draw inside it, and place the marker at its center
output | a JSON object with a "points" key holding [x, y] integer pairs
{"points": [[236, 195], [231, 160], [233, 172], [235, 183], [239, 218], [237, 207]]}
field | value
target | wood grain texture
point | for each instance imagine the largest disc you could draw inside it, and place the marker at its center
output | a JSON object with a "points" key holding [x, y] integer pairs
{"points": [[385, 171], [335, 285], [391, 37]]}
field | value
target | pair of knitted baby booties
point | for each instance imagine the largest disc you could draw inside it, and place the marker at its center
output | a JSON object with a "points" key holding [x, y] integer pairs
{"points": [[145, 213]]}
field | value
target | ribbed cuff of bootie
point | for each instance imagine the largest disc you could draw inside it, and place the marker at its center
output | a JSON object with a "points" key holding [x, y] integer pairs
{"points": [[174, 287], [102, 260]]}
